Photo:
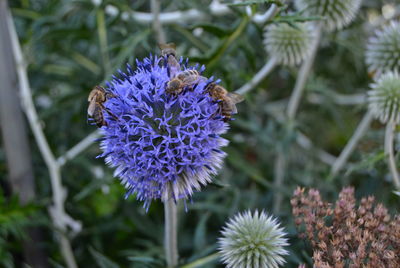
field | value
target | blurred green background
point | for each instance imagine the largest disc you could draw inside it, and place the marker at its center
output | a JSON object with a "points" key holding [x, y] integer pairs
{"points": [[70, 46]]}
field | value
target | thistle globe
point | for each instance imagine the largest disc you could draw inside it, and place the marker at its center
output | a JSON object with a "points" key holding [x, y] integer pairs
{"points": [[383, 49], [288, 44], [255, 241], [162, 146], [384, 97], [335, 13]]}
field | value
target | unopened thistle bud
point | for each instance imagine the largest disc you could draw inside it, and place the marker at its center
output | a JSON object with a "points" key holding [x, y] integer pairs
{"points": [[335, 14], [384, 97], [288, 44], [253, 241], [383, 50]]}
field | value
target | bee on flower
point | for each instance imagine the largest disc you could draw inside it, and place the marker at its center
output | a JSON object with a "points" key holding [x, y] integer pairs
{"points": [[163, 145]]}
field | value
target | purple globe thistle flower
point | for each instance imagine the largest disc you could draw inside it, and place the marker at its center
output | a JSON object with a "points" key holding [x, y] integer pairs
{"points": [[162, 145]]}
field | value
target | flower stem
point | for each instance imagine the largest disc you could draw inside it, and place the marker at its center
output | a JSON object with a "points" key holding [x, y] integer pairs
{"points": [[303, 75], [262, 73], [390, 127], [171, 241], [281, 160], [279, 175], [157, 27], [351, 145], [236, 34]]}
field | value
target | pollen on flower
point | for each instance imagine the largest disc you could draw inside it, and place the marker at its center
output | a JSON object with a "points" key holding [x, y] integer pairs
{"points": [[161, 145]]}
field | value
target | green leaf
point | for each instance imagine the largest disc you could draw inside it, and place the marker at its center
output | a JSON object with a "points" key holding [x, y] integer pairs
{"points": [[255, 2], [101, 260], [203, 261], [214, 29], [199, 239]]}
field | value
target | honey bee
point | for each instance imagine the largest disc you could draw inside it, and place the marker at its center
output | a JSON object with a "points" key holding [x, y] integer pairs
{"points": [[227, 100], [183, 79], [169, 51], [96, 98]]}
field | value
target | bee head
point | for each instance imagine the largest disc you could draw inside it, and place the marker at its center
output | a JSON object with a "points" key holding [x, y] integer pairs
{"points": [[167, 49], [218, 92], [174, 85]]}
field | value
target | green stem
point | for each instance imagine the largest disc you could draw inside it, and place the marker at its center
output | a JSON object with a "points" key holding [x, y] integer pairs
{"points": [[229, 41], [102, 32]]}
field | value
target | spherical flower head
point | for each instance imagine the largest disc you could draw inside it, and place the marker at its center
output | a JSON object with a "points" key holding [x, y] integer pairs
{"points": [[383, 50], [335, 14], [287, 43], [253, 241], [384, 97], [162, 145]]}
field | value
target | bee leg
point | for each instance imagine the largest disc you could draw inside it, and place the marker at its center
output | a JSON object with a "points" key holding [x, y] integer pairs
{"points": [[108, 111], [110, 95]]}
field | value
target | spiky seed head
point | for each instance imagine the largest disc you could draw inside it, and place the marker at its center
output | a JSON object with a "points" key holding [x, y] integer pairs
{"points": [[335, 13], [289, 44], [384, 97], [252, 240], [383, 49]]}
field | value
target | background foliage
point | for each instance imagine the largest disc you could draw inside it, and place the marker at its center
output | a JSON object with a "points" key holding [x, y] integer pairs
{"points": [[73, 45]]}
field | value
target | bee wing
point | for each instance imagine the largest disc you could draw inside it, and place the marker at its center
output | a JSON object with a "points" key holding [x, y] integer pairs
{"points": [[228, 106], [91, 108], [92, 94], [171, 45], [233, 109], [166, 46], [236, 98]]}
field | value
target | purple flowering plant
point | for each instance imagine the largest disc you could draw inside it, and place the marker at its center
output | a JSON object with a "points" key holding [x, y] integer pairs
{"points": [[162, 145]]}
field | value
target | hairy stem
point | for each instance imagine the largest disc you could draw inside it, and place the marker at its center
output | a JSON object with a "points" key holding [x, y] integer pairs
{"points": [[279, 175], [78, 148], [258, 77], [157, 27], [171, 241], [281, 159], [351, 145], [269, 14], [303, 75], [390, 128]]}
